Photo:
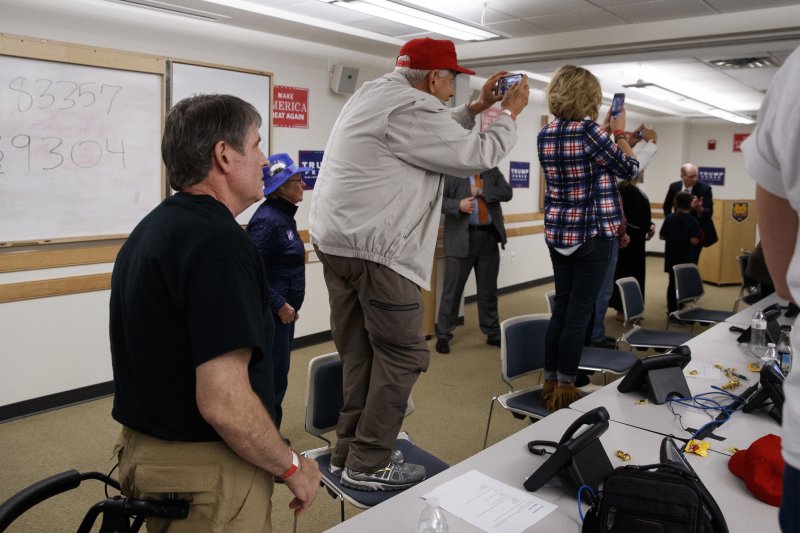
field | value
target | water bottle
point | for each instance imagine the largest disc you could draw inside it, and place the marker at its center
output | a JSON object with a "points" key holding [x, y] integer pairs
{"points": [[785, 349], [771, 354], [758, 334], [432, 519]]}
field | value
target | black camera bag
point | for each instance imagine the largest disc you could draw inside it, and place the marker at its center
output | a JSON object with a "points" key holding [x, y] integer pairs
{"points": [[654, 498]]}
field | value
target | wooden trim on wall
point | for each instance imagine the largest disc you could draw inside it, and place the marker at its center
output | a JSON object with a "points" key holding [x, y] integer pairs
{"points": [[658, 210], [39, 259], [523, 217], [28, 290]]}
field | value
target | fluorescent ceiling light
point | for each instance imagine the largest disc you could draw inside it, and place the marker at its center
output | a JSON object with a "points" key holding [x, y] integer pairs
{"points": [[418, 18], [673, 97]]}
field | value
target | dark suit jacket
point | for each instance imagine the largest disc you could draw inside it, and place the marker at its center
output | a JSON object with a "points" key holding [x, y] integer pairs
{"points": [[456, 224], [702, 191]]}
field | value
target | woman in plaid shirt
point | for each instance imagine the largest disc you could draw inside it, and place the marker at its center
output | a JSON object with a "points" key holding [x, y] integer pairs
{"points": [[580, 162]]}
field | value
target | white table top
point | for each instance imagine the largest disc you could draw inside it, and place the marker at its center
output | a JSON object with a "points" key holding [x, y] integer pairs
{"points": [[510, 462], [743, 317], [715, 346]]}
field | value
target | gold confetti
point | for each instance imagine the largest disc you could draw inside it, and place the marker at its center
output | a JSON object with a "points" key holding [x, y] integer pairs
{"points": [[754, 366], [625, 456], [732, 384], [718, 366], [693, 372], [733, 449], [698, 447], [643, 401]]}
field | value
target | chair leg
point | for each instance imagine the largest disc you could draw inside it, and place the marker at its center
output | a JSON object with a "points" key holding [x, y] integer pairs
{"points": [[488, 422], [341, 507]]}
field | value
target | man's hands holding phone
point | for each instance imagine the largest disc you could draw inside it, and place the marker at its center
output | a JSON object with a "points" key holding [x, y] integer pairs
{"points": [[515, 99]]}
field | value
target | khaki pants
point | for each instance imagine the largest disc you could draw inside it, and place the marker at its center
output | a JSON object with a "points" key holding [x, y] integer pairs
{"points": [[376, 323], [226, 493]]}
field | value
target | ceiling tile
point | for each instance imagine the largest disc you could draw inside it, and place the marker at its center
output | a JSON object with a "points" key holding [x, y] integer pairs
{"points": [[578, 20], [528, 8], [732, 6], [660, 10]]}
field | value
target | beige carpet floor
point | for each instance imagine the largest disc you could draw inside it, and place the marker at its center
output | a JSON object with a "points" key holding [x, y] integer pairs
{"points": [[452, 405]]}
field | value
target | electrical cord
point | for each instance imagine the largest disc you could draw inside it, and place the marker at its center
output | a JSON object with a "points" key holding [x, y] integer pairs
{"points": [[532, 447], [705, 402], [580, 492]]}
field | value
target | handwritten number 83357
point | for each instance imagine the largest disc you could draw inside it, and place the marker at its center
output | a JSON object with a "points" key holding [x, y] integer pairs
{"points": [[62, 95]]}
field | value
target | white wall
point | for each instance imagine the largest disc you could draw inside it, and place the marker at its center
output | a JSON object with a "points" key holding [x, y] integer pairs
{"points": [[56, 344], [51, 345]]}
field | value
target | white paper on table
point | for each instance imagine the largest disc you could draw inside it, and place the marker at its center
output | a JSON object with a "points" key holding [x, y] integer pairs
{"points": [[702, 371], [489, 504]]}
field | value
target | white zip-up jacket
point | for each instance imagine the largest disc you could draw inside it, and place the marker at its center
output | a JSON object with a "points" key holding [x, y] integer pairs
{"points": [[378, 195]]}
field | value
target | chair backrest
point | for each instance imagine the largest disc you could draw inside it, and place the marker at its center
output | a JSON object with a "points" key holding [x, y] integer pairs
{"points": [[688, 283], [522, 346], [743, 260], [325, 394], [631, 295], [550, 296]]}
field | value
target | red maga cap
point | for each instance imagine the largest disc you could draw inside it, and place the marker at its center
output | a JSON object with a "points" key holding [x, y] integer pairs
{"points": [[430, 54], [761, 468]]}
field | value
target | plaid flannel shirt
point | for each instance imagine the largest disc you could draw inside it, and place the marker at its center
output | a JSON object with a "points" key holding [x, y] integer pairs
{"points": [[580, 163]]}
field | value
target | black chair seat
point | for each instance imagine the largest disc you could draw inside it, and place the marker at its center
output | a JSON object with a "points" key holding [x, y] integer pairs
{"points": [[526, 402], [656, 338], [617, 361], [366, 499], [697, 314]]}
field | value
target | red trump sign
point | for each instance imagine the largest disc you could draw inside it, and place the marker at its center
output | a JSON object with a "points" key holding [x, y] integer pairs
{"points": [[289, 107]]}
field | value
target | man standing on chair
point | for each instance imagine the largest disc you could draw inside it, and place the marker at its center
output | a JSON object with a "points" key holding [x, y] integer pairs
{"points": [[473, 226], [189, 315], [702, 201], [373, 222]]}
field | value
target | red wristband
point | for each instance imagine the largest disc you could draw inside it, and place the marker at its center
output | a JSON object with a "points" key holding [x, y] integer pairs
{"points": [[293, 468], [618, 132], [509, 113]]}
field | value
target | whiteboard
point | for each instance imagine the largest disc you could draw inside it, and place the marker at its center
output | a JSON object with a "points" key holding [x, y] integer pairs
{"points": [[253, 87], [79, 150]]}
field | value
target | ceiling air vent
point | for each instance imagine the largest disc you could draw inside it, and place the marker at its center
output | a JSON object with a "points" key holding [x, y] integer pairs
{"points": [[172, 8], [745, 62]]}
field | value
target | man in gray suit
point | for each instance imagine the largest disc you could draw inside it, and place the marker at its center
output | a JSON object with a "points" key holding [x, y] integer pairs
{"points": [[473, 226]]}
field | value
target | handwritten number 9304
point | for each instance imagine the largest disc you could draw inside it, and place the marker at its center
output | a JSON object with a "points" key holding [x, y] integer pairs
{"points": [[61, 95], [83, 153]]}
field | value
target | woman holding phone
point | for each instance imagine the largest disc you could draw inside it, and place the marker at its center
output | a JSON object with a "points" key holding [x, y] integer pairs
{"points": [[580, 162]]}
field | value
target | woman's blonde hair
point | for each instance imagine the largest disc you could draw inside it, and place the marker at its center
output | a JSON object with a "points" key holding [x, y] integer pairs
{"points": [[574, 93]]}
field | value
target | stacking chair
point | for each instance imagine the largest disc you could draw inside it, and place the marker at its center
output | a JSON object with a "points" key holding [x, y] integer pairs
{"points": [[688, 290], [550, 296], [596, 359], [324, 399], [633, 309], [521, 354], [749, 286]]}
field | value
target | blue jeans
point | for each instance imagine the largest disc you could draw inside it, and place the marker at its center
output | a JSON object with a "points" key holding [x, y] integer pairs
{"points": [[281, 355], [578, 278], [789, 516], [606, 290]]}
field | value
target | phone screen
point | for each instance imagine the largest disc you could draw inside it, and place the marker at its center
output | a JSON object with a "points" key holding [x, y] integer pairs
{"points": [[505, 83], [617, 103]]}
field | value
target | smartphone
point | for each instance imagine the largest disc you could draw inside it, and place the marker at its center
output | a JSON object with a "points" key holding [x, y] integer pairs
{"points": [[616, 104], [505, 83]]}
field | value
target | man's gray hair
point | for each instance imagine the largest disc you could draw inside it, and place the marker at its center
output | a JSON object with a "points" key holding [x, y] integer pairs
{"points": [[415, 75], [194, 126]]}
